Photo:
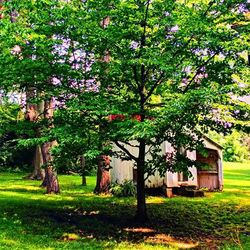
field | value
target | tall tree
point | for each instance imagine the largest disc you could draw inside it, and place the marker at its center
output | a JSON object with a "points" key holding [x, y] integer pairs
{"points": [[44, 52], [32, 114], [175, 69], [28, 46]]}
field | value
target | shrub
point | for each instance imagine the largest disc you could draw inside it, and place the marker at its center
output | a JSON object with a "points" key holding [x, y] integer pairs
{"points": [[235, 146], [128, 188]]}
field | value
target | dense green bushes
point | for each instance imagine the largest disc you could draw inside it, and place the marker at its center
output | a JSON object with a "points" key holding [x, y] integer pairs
{"points": [[236, 145], [128, 188]]}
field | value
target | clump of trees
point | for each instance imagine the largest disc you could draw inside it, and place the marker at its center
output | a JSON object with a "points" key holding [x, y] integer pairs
{"points": [[10, 155], [235, 145], [144, 71]]}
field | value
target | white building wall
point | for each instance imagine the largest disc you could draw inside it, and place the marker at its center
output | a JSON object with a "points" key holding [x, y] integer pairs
{"points": [[123, 170], [192, 181]]}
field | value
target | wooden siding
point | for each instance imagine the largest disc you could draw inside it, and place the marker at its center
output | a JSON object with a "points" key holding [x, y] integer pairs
{"points": [[123, 170], [208, 180]]}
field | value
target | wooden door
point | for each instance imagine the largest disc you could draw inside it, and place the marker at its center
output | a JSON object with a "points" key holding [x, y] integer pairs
{"points": [[209, 178]]}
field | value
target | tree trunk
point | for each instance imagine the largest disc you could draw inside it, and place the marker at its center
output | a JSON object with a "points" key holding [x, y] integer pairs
{"points": [[84, 181], [38, 172], [82, 163], [103, 176], [32, 113], [50, 181], [141, 213]]}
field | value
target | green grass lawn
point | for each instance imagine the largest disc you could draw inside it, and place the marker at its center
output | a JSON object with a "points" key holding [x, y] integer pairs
{"points": [[78, 219]]}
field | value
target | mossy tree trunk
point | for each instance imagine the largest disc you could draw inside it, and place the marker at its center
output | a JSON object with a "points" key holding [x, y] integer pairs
{"points": [[51, 180], [103, 176], [33, 112]]}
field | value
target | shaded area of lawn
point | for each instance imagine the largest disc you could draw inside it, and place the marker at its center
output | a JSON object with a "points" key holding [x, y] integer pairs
{"points": [[78, 219]]}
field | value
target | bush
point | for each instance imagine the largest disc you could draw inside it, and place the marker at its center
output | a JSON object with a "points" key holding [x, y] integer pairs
{"points": [[235, 147], [128, 188]]}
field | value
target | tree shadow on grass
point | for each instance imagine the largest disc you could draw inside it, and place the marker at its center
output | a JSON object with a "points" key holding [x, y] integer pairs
{"points": [[178, 222], [173, 222], [23, 190]]}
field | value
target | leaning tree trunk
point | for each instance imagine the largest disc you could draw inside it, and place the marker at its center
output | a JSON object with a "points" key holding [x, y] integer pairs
{"points": [[33, 111], [103, 176], [141, 213], [51, 180], [38, 172]]}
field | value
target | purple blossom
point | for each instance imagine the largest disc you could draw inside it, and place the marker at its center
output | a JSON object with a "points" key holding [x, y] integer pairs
{"points": [[166, 13], [221, 57], [245, 99], [227, 125], [55, 81], [214, 12], [169, 36], [92, 85], [242, 8], [242, 85], [184, 82], [187, 69], [200, 52], [224, 124], [174, 28], [203, 69], [16, 50], [200, 76], [134, 45]]}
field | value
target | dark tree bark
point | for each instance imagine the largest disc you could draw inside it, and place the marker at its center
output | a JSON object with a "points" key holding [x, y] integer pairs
{"points": [[103, 176], [38, 172], [50, 181], [82, 163], [84, 181], [141, 213], [32, 113]]}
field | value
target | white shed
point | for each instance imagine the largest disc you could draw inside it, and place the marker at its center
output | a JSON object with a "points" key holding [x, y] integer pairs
{"points": [[211, 179]]}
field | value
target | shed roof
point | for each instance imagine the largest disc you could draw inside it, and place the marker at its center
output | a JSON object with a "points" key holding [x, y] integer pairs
{"points": [[213, 142]]}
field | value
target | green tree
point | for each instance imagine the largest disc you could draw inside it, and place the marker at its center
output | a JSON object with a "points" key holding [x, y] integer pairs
{"points": [[235, 145], [175, 69]]}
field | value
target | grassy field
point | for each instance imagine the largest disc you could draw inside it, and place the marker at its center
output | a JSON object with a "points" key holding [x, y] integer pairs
{"points": [[78, 219]]}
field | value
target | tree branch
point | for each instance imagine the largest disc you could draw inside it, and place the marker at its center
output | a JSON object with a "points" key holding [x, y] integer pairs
{"points": [[158, 82], [135, 76], [126, 151], [131, 145], [197, 72]]}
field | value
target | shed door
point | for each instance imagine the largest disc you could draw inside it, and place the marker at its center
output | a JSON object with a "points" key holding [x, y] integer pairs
{"points": [[209, 178]]}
